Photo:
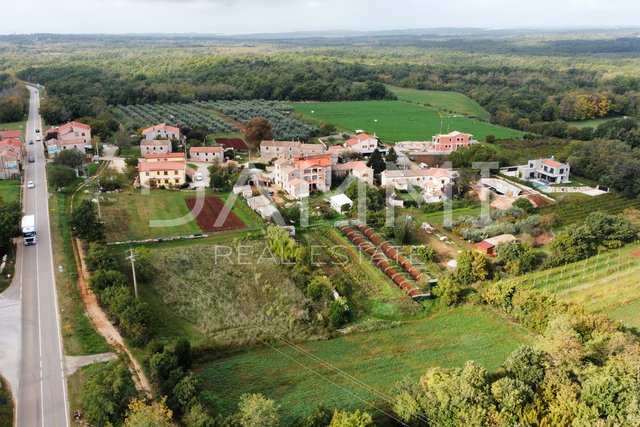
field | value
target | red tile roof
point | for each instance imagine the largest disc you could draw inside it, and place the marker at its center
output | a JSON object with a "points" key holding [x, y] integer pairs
{"points": [[485, 245], [235, 143], [359, 138], [206, 150], [69, 127], [160, 166], [311, 161], [171, 129], [552, 163], [10, 142], [10, 134]]}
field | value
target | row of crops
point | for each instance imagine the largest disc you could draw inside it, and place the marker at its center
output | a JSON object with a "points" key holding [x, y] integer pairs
{"points": [[575, 211], [283, 126], [176, 115]]}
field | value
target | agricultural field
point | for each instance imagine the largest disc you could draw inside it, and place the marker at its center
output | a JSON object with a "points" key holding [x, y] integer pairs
{"points": [[10, 189], [576, 207], [345, 371], [374, 295], [395, 121], [208, 215], [284, 127], [127, 215], [143, 115], [453, 102], [236, 293], [606, 283]]}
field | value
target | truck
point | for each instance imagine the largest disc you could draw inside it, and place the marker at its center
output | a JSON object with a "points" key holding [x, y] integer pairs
{"points": [[29, 230]]}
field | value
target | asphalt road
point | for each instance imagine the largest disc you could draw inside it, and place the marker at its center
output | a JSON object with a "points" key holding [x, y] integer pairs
{"points": [[41, 386]]}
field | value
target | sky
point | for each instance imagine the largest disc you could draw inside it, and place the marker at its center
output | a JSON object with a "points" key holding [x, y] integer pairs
{"points": [[260, 16]]}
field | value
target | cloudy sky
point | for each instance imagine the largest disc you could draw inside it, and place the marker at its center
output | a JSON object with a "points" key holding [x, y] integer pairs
{"points": [[254, 16]]}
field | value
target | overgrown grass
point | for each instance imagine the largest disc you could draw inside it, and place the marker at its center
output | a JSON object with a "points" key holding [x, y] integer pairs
{"points": [[594, 123], [13, 126], [453, 102], [80, 338], [347, 371], [396, 121], [575, 208], [6, 404], [10, 190]]}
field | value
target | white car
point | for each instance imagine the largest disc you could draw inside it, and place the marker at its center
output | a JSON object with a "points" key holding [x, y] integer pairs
{"points": [[198, 176], [30, 184], [423, 166]]}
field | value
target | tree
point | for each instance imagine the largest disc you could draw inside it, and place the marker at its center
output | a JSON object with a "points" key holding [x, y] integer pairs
{"points": [[490, 139], [255, 410], [186, 392], [111, 180], [527, 365], [101, 280], [319, 287], [391, 156], [106, 393], [402, 230], [351, 419], [182, 350], [338, 312], [71, 158], [60, 176], [99, 257], [376, 162], [448, 291], [524, 204], [155, 414], [197, 416], [85, 224], [258, 129], [472, 267], [162, 364], [10, 215]]}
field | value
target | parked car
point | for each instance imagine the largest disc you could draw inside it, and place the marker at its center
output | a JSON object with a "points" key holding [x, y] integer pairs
{"points": [[37, 130], [38, 139], [31, 158], [424, 165], [198, 176], [30, 184], [31, 142]]}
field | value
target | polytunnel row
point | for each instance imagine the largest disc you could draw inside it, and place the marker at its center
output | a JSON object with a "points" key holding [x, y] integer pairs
{"points": [[380, 260]]}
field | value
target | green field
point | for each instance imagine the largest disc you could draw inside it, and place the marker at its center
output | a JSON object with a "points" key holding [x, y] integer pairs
{"points": [[590, 123], [10, 189], [395, 121], [341, 372], [127, 215], [607, 283], [12, 126], [454, 102]]}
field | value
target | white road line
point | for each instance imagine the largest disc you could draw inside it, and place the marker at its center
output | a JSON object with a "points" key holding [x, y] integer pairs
{"points": [[39, 324]]}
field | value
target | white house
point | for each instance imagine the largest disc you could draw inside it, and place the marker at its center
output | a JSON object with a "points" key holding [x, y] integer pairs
{"points": [[302, 175], [432, 181], [548, 170], [362, 143], [72, 131], [358, 169], [207, 154], [161, 131], [155, 146], [340, 202]]}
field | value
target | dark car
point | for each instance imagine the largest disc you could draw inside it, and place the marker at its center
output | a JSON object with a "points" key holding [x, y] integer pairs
{"points": [[31, 158], [37, 130], [31, 142]]}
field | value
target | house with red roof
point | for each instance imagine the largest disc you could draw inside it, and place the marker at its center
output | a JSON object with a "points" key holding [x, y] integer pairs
{"points": [[363, 143], [168, 169], [207, 154], [10, 157], [161, 131], [301, 176], [288, 149], [432, 182], [548, 170], [358, 169], [16, 134], [449, 142], [72, 131]]}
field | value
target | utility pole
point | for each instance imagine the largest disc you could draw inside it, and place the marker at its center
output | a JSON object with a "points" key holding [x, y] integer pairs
{"points": [[133, 269]]}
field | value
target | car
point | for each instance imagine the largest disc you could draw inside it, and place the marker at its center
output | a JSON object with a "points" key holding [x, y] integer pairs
{"points": [[424, 165], [30, 184], [38, 139], [198, 176], [31, 158], [31, 142], [37, 130]]}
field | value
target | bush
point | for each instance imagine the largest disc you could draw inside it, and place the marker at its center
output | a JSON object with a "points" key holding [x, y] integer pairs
{"points": [[338, 312]]}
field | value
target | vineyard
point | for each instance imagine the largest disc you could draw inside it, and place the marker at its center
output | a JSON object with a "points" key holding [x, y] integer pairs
{"points": [[608, 283], [574, 211], [143, 115], [284, 127]]}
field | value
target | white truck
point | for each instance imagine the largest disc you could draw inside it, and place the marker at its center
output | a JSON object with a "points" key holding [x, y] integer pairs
{"points": [[29, 230]]}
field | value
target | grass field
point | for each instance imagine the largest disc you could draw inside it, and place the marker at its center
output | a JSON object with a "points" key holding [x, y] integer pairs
{"points": [[607, 283], [395, 121], [590, 123], [10, 189], [454, 102], [128, 214], [12, 126], [342, 372]]}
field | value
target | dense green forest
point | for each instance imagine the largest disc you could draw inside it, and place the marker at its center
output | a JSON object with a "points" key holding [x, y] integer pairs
{"points": [[13, 99]]}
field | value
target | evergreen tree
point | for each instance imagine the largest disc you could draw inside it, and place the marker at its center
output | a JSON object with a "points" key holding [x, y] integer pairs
{"points": [[376, 162]]}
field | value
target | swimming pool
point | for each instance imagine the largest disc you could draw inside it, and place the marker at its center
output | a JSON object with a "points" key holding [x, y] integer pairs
{"points": [[540, 185]]}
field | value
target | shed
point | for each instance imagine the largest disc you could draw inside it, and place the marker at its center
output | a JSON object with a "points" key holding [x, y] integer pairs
{"points": [[502, 238], [339, 201], [485, 247]]}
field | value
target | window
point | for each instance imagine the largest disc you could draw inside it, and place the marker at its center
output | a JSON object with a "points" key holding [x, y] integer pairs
{"points": [[146, 173], [561, 171], [166, 172], [175, 172]]}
